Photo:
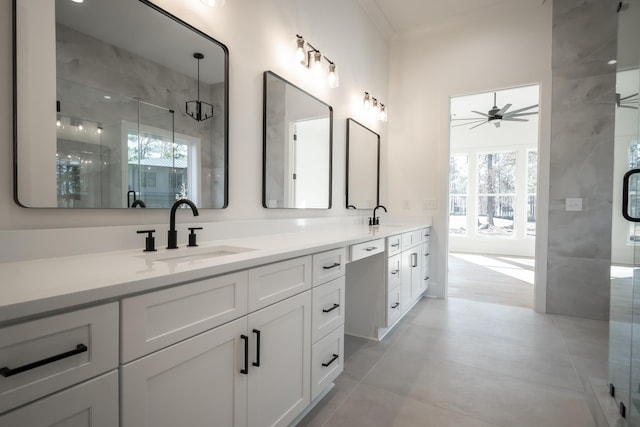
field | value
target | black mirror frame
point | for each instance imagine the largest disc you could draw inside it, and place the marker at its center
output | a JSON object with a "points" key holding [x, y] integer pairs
{"points": [[346, 191], [168, 15], [264, 140]]}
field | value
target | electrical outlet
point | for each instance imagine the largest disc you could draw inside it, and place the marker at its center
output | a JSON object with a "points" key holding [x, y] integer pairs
{"points": [[429, 204], [573, 204]]}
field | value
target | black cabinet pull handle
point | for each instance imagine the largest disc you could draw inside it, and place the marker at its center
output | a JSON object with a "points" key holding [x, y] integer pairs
{"points": [[246, 355], [257, 362], [395, 245], [333, 359], [395, 271], [329, 267], [6, 372], [426, 278], [329, 310], [395, 305], [370, 248]]}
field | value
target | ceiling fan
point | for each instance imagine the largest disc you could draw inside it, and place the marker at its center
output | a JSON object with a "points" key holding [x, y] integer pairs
{"points": [[496, 115], [629, 101]]}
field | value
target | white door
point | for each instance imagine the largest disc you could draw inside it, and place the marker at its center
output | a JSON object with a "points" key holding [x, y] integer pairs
{"points": [[93, 403], [279, 371], [311, 164], [197, 382]]}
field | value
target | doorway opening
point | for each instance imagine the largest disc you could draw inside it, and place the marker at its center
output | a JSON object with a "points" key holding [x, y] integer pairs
{"points": [[492, 195]]}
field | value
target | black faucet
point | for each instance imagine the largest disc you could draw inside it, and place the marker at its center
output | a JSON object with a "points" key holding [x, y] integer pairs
{"points": [[137, 203], [375, 220], [172, 238]]}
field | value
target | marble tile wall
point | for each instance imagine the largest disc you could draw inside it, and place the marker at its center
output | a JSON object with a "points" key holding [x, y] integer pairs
{"points": [[582, 133]]}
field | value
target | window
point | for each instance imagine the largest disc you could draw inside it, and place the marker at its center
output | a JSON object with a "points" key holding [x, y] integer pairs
{"points": [[496, 193], [532, 185], [458, 193]]}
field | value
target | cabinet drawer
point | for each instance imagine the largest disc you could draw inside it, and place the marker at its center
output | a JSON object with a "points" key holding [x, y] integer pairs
{"points": [[328, 308], [363, 250], [394, 245], [329, 265], [45, 355], [394, 307], [93, 403], [327, 361], [274, 282], [393, 272], [412, 238], [158, 319]]}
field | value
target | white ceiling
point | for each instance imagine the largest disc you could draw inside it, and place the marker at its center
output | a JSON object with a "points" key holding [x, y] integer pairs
{"points": [[399, 16]]}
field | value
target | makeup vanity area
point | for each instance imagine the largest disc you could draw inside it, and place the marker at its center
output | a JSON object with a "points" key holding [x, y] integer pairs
{"points": [[245, 328]]}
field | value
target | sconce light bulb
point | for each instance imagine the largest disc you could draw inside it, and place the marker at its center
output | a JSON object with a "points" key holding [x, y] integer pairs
{"points": [[366, 102], [213, 3], [99, 129], [316, 63], [332, 78], [382, 116], [58, 123], [374, 105], [80, 127], [300, 53]]}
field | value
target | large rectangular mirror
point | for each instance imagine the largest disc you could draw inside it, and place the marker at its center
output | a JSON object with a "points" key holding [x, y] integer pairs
{"points": [[117, 101], [363, 167], [297, 147]]}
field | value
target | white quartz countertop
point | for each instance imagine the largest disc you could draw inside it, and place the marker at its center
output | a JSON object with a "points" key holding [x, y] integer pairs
{"points": [[44, 285]]}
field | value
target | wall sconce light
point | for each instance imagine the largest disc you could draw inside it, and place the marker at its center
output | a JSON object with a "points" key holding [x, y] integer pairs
{"points": [[99, 128], [369, 103], [310, 57], [213, 3], [197, 109]]}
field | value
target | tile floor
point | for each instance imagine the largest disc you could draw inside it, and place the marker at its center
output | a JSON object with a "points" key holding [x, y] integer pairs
{"points": [[462, 363]]}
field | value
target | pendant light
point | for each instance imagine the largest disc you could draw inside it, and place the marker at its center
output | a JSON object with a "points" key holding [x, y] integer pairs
{"points": [[197, 109]]}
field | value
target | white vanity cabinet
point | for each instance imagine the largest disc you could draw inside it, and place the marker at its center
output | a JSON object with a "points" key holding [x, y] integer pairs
{"points": [[41, 357], [413, 283], [220, 362]]}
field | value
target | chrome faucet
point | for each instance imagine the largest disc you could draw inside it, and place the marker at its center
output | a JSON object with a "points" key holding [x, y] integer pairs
{"points": [[374, 220], [172, 240]]}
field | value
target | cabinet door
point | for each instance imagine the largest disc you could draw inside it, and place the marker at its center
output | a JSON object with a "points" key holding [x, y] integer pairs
{"points": [[93, 403], [193, 383], [280, 373], [411, 280]]}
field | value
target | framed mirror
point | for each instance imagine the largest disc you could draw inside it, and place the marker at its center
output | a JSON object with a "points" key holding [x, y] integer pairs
{"points": [[363, 167], [297, 148], [117, 101]]}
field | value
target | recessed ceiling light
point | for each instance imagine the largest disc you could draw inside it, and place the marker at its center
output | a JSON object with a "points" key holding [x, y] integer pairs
{"points": [[78, 1], [107, 97], [612, 62]]}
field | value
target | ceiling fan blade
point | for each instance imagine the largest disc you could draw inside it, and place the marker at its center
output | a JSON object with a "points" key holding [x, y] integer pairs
{"points": [[523, 109], [468, 118], [519, 114], [467, 124], [482, 114], [627, 97], [628, 106], [503, 110], [512, 119], [483, 122]]}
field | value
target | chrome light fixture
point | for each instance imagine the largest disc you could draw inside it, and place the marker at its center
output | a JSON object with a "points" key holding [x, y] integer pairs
{"points": [[310, 57], [197, 109], [371, 104]]}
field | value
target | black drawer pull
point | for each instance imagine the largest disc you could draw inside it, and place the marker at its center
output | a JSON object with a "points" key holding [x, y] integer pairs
{"points": [[370, 248], [329, 267], [257, 362], [395, 245], [395, 305], [329, 310], [333, 359], [395, 271], [246, 355], [426, 278], [6, 372]]}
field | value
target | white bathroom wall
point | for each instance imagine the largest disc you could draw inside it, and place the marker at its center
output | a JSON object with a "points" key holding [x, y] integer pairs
{"points": [[260, 36], [499, 47]]}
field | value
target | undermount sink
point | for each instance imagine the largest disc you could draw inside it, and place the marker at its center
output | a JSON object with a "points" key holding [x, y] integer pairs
{"points": [[196, 254]]}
